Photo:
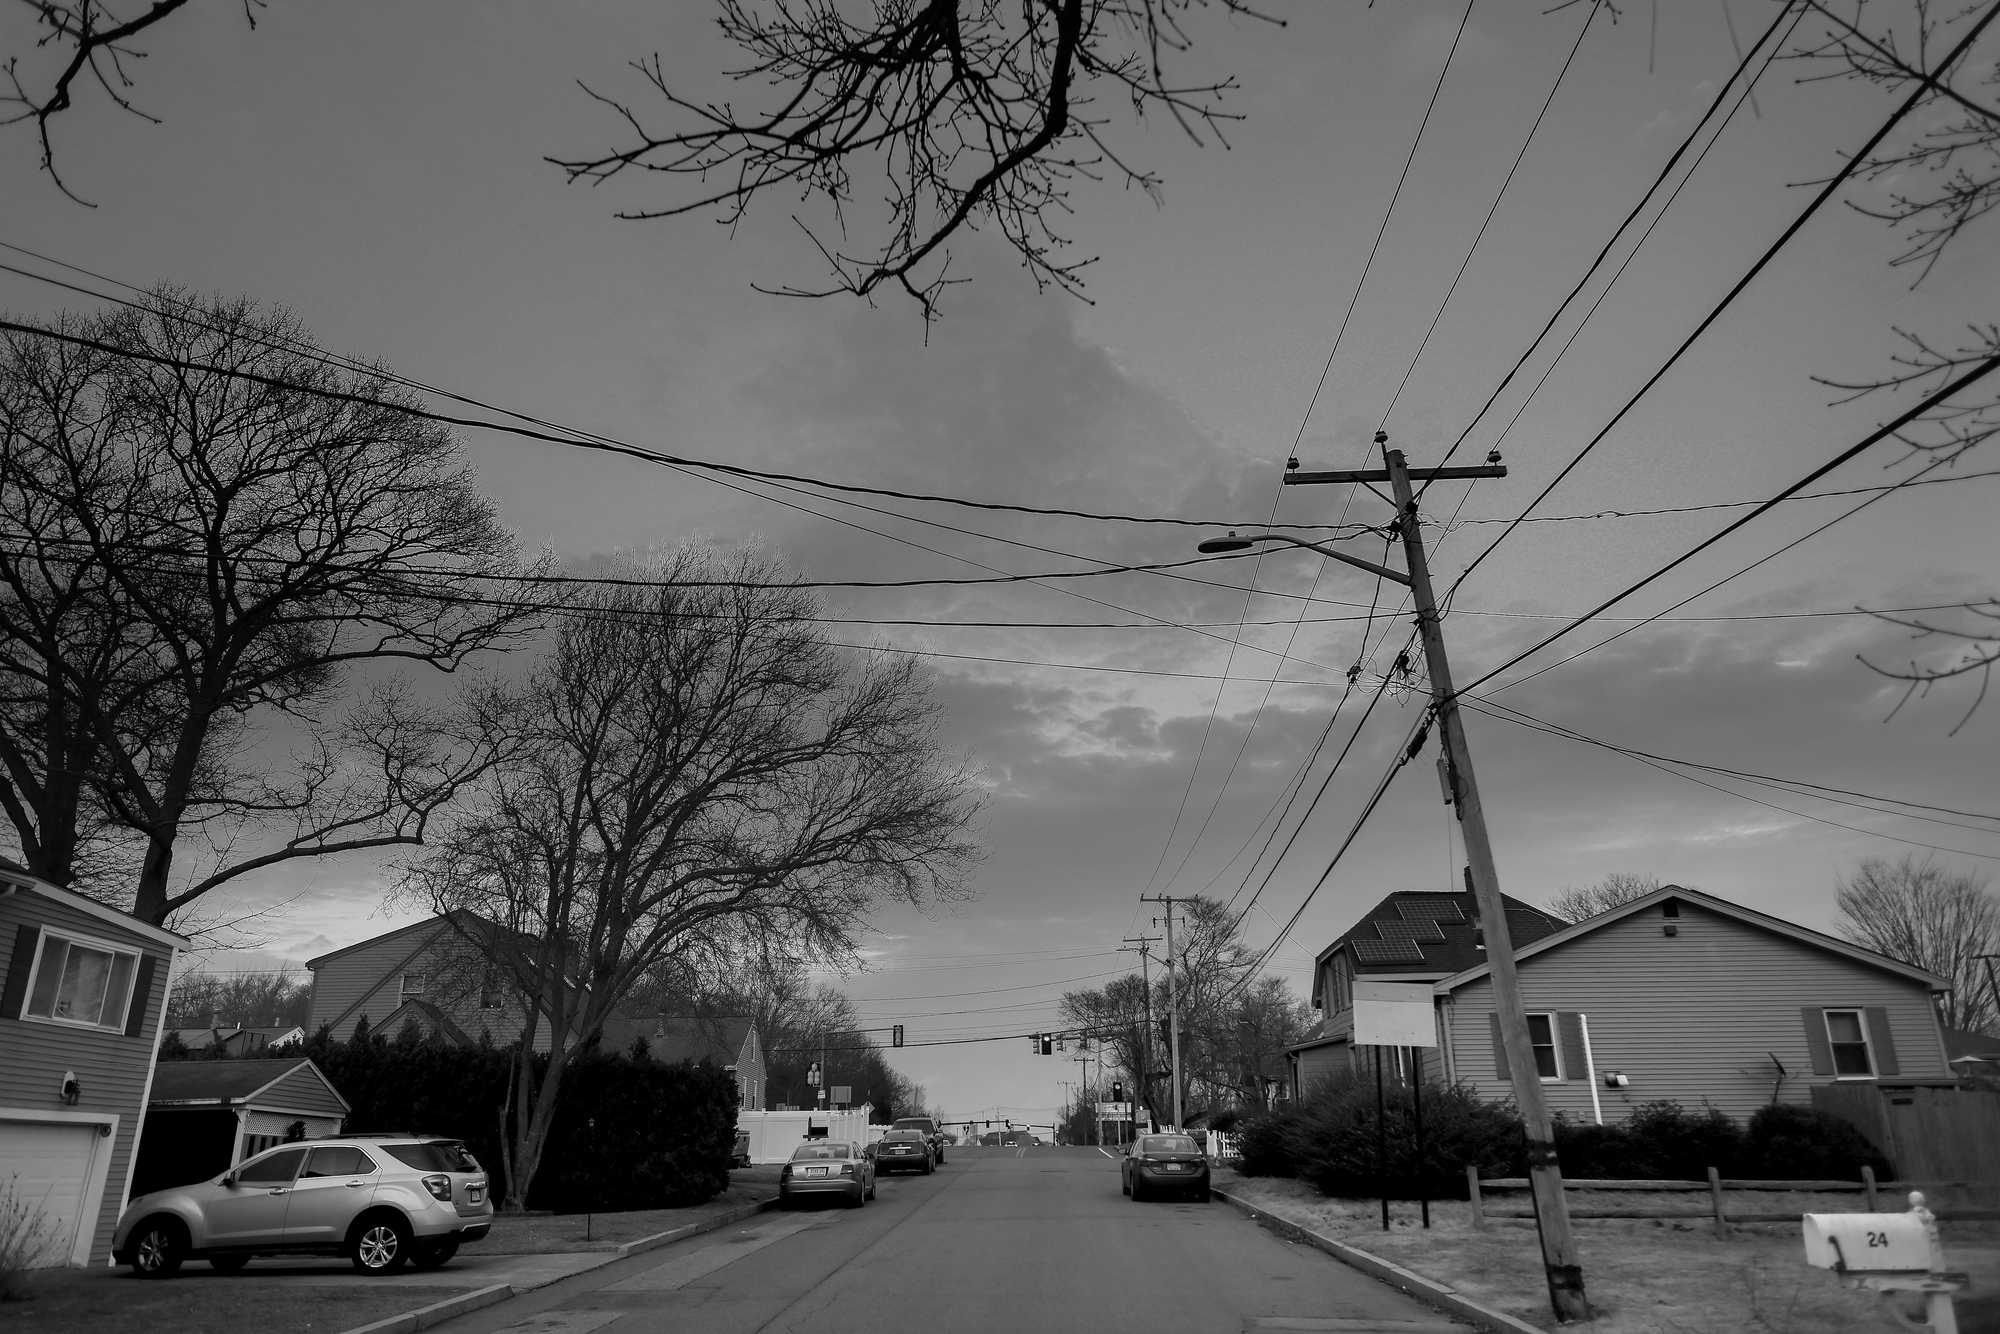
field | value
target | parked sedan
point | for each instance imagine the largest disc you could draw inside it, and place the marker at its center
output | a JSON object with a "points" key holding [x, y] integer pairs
{"points": [[1164, 1163], [827, 1167], [903, 1151]]}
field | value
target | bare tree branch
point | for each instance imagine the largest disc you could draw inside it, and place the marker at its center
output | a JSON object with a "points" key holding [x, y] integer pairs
{"points": [[1921, 914]]}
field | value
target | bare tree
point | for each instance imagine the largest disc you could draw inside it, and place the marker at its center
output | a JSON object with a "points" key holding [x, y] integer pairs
{"points": [[1921, 914], [1937, 180], [974, 112], [692, 757], [246, 1000], [1614, 891], [204, 528], [81, 41]]}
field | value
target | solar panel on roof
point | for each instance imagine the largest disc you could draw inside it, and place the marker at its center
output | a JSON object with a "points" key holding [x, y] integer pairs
{"points": [[1388, 951], [1424, 930], [1438, 910]]}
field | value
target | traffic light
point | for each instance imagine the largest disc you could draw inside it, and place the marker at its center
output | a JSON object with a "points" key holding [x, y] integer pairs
{"points": [[989, 1125], [1083, 1042], [1117, 1090], [1035, 1043], [1062, 1041], [896, 1038], [1048, 1045]]}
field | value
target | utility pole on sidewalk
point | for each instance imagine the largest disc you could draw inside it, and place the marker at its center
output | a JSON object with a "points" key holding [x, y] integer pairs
{"points": [[1145, 944], [1173, 1005], [1559, 1255]]}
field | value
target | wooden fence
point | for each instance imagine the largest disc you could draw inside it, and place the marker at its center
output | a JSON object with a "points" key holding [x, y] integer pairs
{"points": [[1925, 1130], [1875, 1195]]}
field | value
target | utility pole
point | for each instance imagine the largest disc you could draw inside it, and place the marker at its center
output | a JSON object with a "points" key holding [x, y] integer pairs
{"points": [[1559, 1254], [1145, 944], [1173, 1005]]}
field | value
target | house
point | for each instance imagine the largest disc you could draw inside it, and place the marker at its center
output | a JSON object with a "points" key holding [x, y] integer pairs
{"points": [[239, 1041], [204, 1117], [450, 966], [1678, 995], [82, 999], [731, 1043]]}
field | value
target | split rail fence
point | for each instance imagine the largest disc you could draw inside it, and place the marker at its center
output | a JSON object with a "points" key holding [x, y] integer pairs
{"points": [[1720, 1210]]}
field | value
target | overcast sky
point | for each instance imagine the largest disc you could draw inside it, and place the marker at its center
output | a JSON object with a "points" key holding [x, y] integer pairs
{"points": [[378, 169]]}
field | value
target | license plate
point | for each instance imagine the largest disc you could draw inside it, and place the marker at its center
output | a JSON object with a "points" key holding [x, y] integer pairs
{"points": [[815, 1171], [1174, 1167], [474, 1194]]}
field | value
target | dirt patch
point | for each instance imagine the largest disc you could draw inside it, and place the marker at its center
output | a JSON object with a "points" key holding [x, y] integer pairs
{"points": [[1655, 1276], [542, 1234], [198, 1301]]}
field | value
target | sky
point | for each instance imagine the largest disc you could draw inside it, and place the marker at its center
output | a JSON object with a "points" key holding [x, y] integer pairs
{"points": [[379, 169]]}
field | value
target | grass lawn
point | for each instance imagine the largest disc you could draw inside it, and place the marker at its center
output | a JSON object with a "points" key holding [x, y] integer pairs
{"points": [[1662, 1276], [107, 1301]]}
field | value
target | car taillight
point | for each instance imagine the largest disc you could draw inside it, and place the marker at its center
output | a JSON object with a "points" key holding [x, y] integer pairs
{"points": [[785, 1172], [439, 1185], [847, 1169]]}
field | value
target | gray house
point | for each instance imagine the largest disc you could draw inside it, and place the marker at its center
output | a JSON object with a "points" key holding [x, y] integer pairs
{"points": [[1679, 995]]}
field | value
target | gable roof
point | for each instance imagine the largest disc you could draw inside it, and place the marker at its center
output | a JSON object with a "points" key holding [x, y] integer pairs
{"points": [[428, 1017], [1431, 933], [16, 877], [222, 1083], [1700, 898]]}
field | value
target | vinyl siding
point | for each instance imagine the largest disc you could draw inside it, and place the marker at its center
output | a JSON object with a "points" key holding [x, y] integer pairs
{"points": [[300, 1091], [112, 1068], [368, 980], [1696, 1017]]}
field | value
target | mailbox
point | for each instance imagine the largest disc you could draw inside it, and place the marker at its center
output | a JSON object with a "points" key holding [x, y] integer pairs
{"points": [[1869, 1243]]}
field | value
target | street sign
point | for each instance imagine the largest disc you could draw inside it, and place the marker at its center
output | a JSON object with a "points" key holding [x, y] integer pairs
{"points": [[1394, 1014], [843, 1093], [1114, 1111]]}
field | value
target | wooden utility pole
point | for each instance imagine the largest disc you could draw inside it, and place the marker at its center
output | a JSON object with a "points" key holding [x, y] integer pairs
{"points": [[1145, 944], [1173, 1006], [1559, 1255]]}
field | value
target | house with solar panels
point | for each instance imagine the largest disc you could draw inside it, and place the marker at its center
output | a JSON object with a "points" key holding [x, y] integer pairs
{"points": [[1678, 996]]}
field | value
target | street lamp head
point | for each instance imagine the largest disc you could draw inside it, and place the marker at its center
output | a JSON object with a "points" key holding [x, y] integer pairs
{"points": [[1217, 545]]}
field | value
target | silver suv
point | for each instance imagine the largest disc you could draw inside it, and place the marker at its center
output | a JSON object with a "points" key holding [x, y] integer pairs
{"points": [[381, 1200]]}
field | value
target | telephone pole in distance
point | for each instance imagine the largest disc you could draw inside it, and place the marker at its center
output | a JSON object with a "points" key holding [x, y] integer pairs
{"points": [[1173, 1006], [1145, 946]]}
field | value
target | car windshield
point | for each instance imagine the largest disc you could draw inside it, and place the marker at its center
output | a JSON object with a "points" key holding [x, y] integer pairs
{"points": [[1167, 1144], [914, 1123], [821, 1149], [438, 1155], [904, 1137]]}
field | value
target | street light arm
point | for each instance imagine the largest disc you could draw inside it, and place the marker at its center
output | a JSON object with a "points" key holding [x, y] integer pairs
{"points": [[1215, 545]]}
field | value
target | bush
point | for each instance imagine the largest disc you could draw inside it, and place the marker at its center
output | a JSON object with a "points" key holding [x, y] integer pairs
{"points": [[1787, 1143], [1265, 1143], [24, 1235], [1330, 1140]]}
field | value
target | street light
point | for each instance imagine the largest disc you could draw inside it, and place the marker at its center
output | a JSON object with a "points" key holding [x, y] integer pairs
{"points": [[1217, 545]]}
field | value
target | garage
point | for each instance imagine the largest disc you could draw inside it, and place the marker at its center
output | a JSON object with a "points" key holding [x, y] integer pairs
{"points": [[48, 1166]]}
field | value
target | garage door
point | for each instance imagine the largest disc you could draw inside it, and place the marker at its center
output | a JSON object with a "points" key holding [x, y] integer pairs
{"points": [[47, 1166]]}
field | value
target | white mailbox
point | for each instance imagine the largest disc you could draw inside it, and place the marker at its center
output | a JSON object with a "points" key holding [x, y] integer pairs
{"points": [[1869, 1243]]}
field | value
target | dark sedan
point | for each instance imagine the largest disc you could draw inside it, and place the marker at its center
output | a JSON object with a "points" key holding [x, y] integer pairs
{"points": [[903, 1151], [1160, 1163]]}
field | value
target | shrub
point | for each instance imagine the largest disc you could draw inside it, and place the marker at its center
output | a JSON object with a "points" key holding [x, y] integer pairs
{"points": [[1265, 1143], [24, 1235], [1335, 1145], [1787, 1143]]}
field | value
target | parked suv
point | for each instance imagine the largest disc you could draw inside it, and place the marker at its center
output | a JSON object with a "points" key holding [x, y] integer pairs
{"points": [[381, 1200], [932, 1132]]}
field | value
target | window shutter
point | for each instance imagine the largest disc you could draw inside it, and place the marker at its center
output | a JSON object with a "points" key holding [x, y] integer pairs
{"points": [[1816, 1043], [1500, 1067], [1879, 1040], [1569, 1034], [142, 992], [12, 1001]]}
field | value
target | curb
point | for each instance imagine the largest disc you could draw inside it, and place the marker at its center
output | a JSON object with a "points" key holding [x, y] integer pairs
{"points": [[438, 1312], [1416, 1285]]}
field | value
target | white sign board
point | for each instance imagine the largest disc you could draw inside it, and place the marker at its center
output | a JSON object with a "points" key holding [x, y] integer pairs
{"points": [[1114, 1111], [1394, 1014]]}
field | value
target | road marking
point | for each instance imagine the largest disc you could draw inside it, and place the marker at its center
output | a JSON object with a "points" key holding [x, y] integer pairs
{"points": [[685, 1269], [1106, 1152], [1351, 1325]]}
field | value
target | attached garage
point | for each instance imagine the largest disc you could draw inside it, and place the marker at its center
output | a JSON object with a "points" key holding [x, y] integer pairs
{"points": [[56, 1169]]}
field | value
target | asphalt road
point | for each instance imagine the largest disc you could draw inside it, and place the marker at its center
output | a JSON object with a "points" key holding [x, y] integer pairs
{"points": [[997, 1241]]}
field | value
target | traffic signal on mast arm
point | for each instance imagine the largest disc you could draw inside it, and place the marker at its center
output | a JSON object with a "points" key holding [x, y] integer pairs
{"points": [[1048, 1045], [1117, 1090], [1035, 1043], [896, 1038]]}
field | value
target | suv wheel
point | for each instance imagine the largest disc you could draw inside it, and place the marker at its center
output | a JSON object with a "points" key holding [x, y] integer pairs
{"points": [[381, 1244], [158, 1248]]}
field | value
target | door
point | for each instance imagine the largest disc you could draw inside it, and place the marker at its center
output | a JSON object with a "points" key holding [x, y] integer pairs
{"points": [[337, 1183], [252, 1213], [45, 1165]]}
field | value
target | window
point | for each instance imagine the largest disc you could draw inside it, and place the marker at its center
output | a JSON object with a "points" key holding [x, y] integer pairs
{"points": [[437, 1155], [276, 1169], [412, 986], [1847, 1038], [338, 1160], [79, 981], [1542, 1036]]}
